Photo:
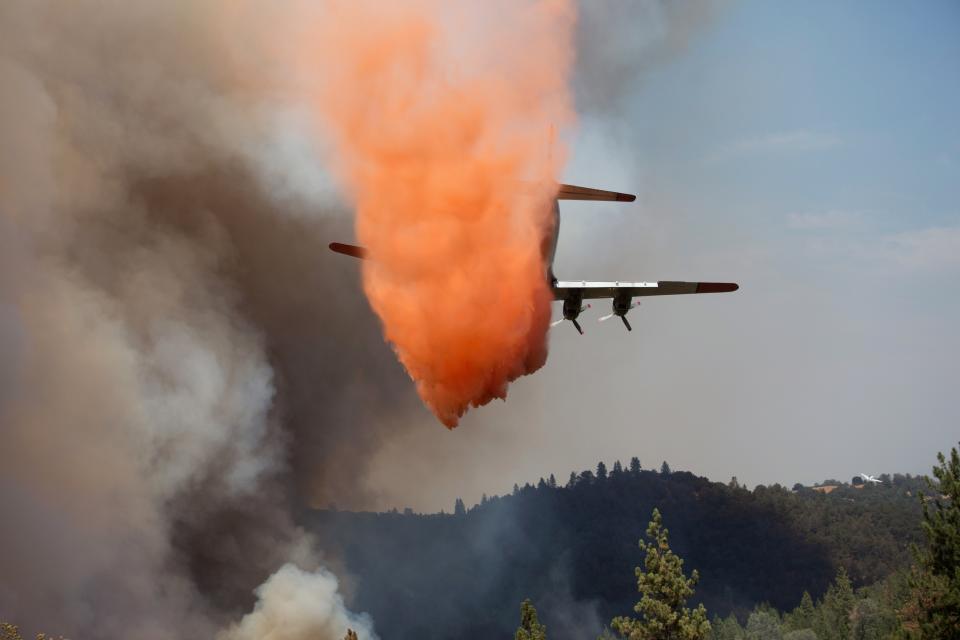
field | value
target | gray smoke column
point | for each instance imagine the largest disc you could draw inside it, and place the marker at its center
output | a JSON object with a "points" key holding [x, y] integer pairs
{"points": [[164, 329], [619, 42]]}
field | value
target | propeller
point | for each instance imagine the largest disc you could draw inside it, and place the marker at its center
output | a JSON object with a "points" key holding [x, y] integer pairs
{"points": [[573, 320], [610, 315]]}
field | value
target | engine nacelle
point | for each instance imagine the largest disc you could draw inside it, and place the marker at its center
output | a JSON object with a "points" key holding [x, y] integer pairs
{"points": [[622, 304], [572, 308]]}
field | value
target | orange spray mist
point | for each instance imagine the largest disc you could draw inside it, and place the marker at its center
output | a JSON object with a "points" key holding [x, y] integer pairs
{"points": [[438, 115]]}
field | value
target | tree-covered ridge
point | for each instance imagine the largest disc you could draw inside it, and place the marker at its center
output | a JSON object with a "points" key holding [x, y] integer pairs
{"points": [[916, 603], [568, 545]]}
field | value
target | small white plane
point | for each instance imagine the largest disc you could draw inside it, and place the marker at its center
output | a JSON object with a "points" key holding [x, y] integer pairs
{"points": [[573, 292], [868, 478]]}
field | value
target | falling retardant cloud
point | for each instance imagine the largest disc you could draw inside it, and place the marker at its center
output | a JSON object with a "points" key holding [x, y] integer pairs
{"points": [[438, 118]]}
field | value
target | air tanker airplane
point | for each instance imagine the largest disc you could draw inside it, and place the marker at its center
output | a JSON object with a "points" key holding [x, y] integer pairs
{"points": [[573, 293], [868, 478]]}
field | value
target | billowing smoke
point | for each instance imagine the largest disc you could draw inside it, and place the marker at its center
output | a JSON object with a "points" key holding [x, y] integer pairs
{"points": [[439, 116], [620, 42], [165, 332], [297, 605]]}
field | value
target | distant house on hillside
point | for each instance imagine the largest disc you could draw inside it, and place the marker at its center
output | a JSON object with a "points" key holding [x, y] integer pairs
{"points": [[827, 488]]}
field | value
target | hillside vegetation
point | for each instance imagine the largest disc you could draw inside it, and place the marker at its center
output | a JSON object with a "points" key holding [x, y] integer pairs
{"points": [[570, 549]]}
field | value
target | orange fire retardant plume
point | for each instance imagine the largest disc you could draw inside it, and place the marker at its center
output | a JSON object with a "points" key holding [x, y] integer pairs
{"points": [[438, 118]]}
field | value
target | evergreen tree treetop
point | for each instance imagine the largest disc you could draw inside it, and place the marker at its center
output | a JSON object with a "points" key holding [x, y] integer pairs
{"points": [[634, 465], [938, 582], [763, 625], [803, 616], [941, 519], [837, 605], [530, 627], [665, 590]]}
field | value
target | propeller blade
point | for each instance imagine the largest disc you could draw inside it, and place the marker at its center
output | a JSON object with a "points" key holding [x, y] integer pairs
{"points": [[556, 322], [604, 318]]}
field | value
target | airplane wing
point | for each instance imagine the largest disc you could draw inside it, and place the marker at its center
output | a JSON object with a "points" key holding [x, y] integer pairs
{"points": [[583, 290]]}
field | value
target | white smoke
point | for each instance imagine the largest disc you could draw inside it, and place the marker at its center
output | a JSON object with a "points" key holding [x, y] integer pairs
{"points": [[297, 605]]}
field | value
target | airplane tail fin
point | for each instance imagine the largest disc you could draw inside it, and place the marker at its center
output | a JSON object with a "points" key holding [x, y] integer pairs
{"points": [[571, 192], [349, 250]]}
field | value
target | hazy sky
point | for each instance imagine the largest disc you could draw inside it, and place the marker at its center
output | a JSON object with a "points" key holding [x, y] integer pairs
{"points": [[810, 152]]}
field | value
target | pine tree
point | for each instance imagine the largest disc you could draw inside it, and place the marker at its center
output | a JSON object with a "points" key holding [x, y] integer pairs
{"points": [[803, 616], [727, 629], [763, 625], [617, 469], [530, 627], [834, 622], [458, 508], [665, 468], [635, 465], [573, 480], [552, 482], [601, 471], [938, 582], [665, 589], [9, 631]]}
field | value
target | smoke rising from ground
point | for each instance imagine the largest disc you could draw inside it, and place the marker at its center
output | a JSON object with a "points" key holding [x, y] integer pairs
{"points": [[297, 605], [165, 327], [436, 115]]}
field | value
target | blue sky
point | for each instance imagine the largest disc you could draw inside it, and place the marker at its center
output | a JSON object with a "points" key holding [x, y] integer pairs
{"points": [[809, 151]]}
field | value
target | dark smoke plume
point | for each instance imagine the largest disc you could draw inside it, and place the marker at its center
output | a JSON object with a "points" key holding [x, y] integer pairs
{"points": [[170, 326]]}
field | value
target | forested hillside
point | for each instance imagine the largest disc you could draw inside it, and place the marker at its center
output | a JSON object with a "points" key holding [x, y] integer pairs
{"points": [[572, 549]]}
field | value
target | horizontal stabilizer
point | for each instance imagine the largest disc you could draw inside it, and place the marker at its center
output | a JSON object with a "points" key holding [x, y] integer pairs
{"points": [[349, 250], [570, 192]]}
